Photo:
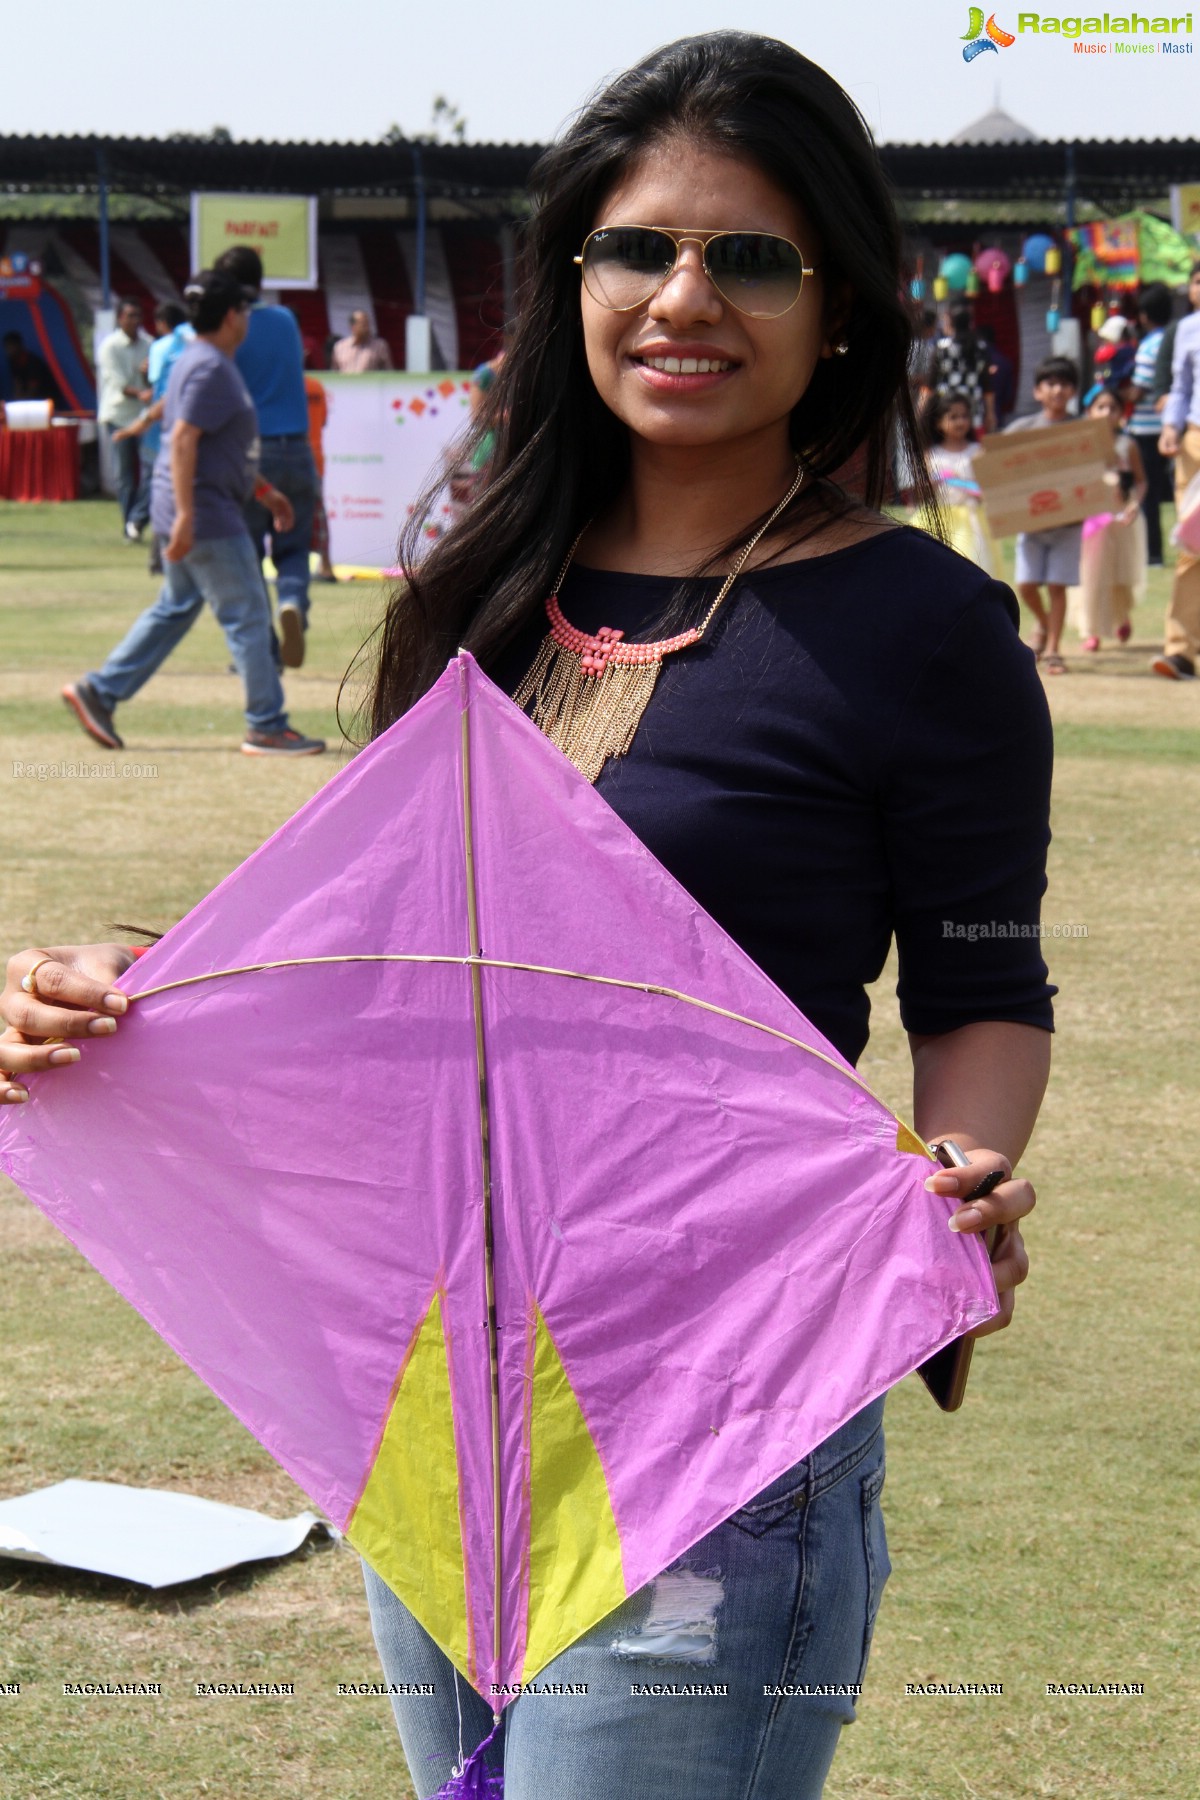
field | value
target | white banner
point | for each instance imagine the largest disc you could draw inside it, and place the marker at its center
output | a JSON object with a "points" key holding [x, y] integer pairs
{"points": [[387, 433]]}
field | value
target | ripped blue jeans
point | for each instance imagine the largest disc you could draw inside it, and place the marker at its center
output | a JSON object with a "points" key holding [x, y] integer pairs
{"points": [[730, 1677]]}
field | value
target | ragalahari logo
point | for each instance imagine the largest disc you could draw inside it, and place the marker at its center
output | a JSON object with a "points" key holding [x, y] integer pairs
{"points": [[975, 42]]}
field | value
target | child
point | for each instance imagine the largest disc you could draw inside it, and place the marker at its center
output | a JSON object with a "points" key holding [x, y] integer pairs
{"points": [[1049, 559], [952, 450], [1113, 559]]}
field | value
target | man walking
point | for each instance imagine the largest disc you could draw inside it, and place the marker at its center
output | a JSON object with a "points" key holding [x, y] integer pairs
{"points": [[1180, 438], [271, 363], [121, 367], [206, 472], [362, 351], [1154, 315]]}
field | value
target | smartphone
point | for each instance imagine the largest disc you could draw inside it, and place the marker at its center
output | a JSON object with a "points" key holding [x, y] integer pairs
{"points": [[945, 1372]]}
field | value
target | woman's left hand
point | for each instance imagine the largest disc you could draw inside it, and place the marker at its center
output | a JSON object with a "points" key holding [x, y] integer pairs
{"points": [[1004, 1206]]}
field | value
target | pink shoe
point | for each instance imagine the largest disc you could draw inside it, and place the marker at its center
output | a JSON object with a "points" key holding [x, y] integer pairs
{"points": [[1091, 643], [1124, 632]]}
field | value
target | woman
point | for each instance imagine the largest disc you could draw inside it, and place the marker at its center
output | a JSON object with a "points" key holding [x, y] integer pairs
{"points": [[815, 766]]}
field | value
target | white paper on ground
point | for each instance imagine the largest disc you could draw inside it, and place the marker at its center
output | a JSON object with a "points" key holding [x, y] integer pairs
{"points": [[143, 1534]]}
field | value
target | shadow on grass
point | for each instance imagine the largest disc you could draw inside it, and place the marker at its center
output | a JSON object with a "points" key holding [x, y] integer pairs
{"points": [[48, 1581]]}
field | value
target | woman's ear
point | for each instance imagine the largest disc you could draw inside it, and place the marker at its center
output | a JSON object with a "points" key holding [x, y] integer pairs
{"points": [[838, 305]]}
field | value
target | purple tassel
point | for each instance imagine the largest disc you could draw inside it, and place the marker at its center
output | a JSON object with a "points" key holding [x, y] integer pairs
{"points": [[474, 1780]]}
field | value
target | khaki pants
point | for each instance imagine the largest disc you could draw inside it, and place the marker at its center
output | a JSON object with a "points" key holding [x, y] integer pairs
{"points": [[1183, 610]]}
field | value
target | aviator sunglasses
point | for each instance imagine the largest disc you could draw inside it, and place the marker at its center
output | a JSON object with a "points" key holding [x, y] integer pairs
{"points": [[759, 274]]}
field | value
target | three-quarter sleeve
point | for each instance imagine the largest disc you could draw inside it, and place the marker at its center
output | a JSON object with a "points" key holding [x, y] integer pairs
{"points": [[965, 792]]}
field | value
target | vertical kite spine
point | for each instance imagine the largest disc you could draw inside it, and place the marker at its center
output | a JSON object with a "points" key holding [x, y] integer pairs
{"points": [[489, 1259]]}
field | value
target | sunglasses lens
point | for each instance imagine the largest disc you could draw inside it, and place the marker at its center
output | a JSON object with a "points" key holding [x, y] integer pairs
{"points": [[624, 266], [759, 274]]}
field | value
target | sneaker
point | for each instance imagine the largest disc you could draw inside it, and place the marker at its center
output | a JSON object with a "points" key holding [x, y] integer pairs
{"points": [[92, 714], [1174, 668], [281, 743], [1124, 632], [133, 532], [291, 636], [1091, 643]]}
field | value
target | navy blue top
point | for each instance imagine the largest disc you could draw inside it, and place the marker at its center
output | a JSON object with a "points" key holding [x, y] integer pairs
{"points": [[861, 748]]}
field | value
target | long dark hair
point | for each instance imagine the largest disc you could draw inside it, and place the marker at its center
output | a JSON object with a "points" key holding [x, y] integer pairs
{"points": [[560, 456]]}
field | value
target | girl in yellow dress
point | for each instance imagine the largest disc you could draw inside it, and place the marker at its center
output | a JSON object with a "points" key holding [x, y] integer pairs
{"points": [[952, 450]]}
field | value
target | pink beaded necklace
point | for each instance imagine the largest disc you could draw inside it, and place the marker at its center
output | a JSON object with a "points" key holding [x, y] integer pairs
{"points": [[588, 691]]}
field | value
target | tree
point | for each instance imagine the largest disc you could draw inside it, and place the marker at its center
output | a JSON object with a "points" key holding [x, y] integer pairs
{"points": [[446, 126]]}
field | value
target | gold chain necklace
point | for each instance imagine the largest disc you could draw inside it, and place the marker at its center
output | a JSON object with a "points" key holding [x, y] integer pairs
{"points": [[588, 691]]}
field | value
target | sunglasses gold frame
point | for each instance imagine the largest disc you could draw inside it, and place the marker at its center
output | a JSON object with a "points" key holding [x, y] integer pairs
{"points": [[681, 235]]}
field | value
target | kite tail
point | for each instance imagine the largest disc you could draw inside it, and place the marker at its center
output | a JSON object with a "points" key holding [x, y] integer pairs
{"points": [[472, 1779]]}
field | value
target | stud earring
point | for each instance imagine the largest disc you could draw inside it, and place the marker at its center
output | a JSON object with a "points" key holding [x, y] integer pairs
{"points": [[841, 349]]}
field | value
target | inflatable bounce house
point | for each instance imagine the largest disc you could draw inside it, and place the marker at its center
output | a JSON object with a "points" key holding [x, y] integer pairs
{"points": [[32, 311]]}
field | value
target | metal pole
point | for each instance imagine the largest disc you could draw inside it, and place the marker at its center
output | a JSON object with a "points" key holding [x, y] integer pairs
{"points": [[105, 279], [1068, 247], [419, 185]]}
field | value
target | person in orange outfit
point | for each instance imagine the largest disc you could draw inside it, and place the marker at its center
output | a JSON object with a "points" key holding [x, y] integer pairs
{"points": [[318, 412]]}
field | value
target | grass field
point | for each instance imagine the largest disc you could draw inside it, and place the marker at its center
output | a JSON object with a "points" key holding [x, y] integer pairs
{"points": [[1046, 1534]]}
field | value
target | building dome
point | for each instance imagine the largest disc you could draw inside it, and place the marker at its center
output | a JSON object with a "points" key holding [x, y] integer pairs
{"points": [[996, 127]]}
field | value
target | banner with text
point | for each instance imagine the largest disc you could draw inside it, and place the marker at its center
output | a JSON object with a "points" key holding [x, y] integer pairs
{"points": [[385, 435], [281, 227]]}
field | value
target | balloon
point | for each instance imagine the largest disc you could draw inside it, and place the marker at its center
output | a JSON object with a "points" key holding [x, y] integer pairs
{"points": [[1020, 272], [992, 260], [1034, 251], [916, 288], [1053, 260], [1052, 320], [956, 272], [995, 280], [941, 288], [1099, 315]]}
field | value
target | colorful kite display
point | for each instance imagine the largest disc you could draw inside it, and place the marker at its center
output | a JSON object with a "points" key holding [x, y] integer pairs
{"points": [[514, 1210], [1122, 254]]}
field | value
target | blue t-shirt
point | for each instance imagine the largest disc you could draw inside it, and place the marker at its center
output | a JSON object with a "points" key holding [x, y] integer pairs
{"points": [[271, 363], [206, 390], [165, 352]]}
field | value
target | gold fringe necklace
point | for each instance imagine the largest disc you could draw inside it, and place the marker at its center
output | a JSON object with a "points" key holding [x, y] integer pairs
{"points": [[588, 692]]}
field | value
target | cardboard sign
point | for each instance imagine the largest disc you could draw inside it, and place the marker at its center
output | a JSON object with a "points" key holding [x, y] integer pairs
{"points": [[1051, 475]]}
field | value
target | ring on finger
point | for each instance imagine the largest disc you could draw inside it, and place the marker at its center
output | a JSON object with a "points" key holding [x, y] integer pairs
{"points": [[29, 981]]}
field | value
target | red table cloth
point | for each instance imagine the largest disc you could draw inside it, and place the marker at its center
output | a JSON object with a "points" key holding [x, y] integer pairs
{"points": [[40, 465]]}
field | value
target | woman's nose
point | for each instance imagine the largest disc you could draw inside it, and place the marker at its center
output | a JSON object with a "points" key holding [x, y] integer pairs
{"points": [[687, 295]]}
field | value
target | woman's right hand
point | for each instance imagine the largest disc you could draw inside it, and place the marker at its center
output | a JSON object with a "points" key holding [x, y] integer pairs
{"points": [[72, 997]]}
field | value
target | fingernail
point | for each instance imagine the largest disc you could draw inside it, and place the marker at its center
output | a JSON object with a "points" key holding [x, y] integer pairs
{"points": [[931, 1186], [965, 1221], [99, 1027], [63, 1056], [114, 1003], [15, 1096]]}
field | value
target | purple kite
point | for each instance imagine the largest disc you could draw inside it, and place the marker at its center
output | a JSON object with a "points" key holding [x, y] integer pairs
{"points": [[494, 1188]]}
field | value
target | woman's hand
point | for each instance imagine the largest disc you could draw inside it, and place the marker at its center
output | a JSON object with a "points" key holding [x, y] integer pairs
{"points": [[49, 995], [1007, 1203]]}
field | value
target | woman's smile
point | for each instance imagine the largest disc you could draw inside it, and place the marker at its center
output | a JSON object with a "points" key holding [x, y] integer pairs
{"points": [[691, 367]]}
